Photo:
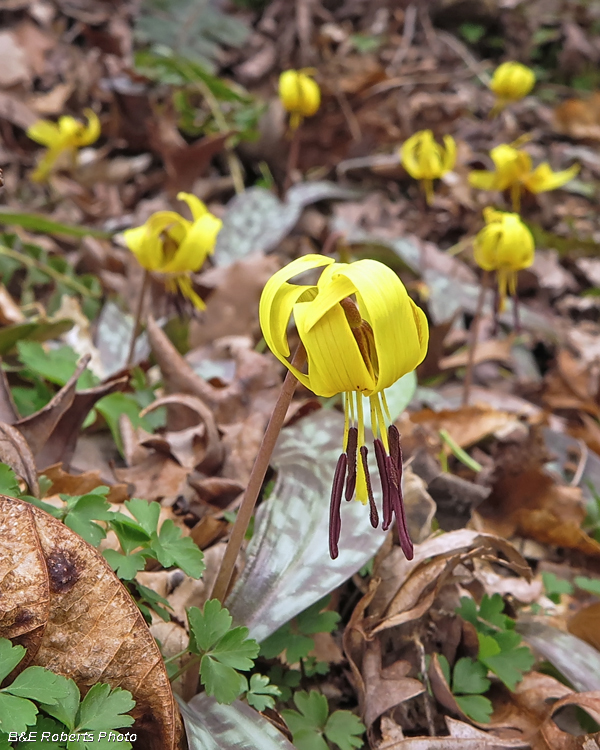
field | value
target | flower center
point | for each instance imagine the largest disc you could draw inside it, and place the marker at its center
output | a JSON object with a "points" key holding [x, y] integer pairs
{"points": [[363, 335]]}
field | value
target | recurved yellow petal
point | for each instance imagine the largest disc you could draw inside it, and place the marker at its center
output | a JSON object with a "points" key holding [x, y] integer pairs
{"points": [[198, 242], [44, 132], [194, 203], [277, 302], [484, 180], [399, 326], [91, 132], [543, 178]]}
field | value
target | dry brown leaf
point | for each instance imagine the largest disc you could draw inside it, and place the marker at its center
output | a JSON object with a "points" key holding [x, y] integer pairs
{"points": [[468, 425], [179, 377], [81, 484], [579, 118], [157, 476], [78, 620], [493, 350], [585, 624], [15, 452], [198, 446], [386, 687]]}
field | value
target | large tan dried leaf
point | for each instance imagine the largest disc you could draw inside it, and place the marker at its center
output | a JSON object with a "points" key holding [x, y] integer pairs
{"points": [[468, 425], [61, 599]]}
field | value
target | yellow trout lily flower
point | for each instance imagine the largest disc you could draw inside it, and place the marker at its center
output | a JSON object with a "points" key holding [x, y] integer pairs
{"points": [[511, 81], [65, 136], [504, 245], [361, 332], [176, 247], [300, 95], [426, 160], [514, 171]]}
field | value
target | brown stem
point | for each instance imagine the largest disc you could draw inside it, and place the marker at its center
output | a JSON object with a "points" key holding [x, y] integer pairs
{"points": [[292, 161], [473, 343], [261, 464], [138, 317]]}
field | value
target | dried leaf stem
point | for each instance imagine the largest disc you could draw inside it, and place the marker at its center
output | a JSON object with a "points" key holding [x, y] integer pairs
{"points": [[261, 464], [474, 335]]}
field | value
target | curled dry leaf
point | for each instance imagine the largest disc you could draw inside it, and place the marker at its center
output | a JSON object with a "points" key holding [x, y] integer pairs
{"points": [[60, 596], [179, 377], [15, 452], [409, 587], [182, 444]]}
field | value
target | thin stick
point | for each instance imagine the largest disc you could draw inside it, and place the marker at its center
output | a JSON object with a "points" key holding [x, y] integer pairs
{"points": [[292, 161], [261, 464], [138, 317], [474, 334]]}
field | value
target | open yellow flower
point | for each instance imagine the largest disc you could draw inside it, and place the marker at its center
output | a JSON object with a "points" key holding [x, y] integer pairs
{"points": [[426, 160], [65, 136], [300, 95], [171, 245], [514, 171], [361, 332], [511, 81], [504, 245]]}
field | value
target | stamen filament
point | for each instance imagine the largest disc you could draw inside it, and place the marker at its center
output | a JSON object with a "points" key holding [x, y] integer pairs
{"points": [[373, 515], [385, 484]]}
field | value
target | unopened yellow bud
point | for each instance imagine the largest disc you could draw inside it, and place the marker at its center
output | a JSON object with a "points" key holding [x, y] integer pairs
{"points": [[511, 81], [300, 95]]}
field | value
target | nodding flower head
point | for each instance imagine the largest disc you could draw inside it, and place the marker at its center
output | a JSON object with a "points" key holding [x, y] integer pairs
{"points": [[505, 245], [171, 245], [513, 170], [65, 136], [361, 332], [426, 160]]}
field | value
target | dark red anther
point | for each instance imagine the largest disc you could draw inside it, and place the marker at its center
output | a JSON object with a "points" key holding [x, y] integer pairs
{"points": [[373, 515], [385, 484], [335, 518], [398, 506], [352, 457]]}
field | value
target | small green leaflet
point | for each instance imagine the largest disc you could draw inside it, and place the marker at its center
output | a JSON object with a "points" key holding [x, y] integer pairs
{"points": [[555, 586], [592, 585], [223, 650], [468, 680], [171, 548], [294, 637], [261, 694], [285, 679], [503, 656], [469, 677], [9, 484], [312, 723]]}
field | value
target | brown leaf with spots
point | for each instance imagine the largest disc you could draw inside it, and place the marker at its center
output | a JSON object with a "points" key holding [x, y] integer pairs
{"points": [[62, 601]]}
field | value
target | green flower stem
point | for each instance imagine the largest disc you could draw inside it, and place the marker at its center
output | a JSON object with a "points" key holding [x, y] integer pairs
{"points": [[474, 334], [138, 317], [261, 464], [26, 260]]}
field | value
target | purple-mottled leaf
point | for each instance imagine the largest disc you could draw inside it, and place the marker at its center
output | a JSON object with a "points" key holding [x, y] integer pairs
{"points": [[575, 659], [212, 726], [257, 221], [288, 567]]}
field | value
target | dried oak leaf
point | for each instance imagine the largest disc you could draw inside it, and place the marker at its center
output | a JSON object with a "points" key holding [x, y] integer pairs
{"points": [[61, 599]]}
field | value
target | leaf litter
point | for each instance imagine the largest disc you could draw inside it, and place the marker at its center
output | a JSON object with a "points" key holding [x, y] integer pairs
{"points": [[500, 491]]}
